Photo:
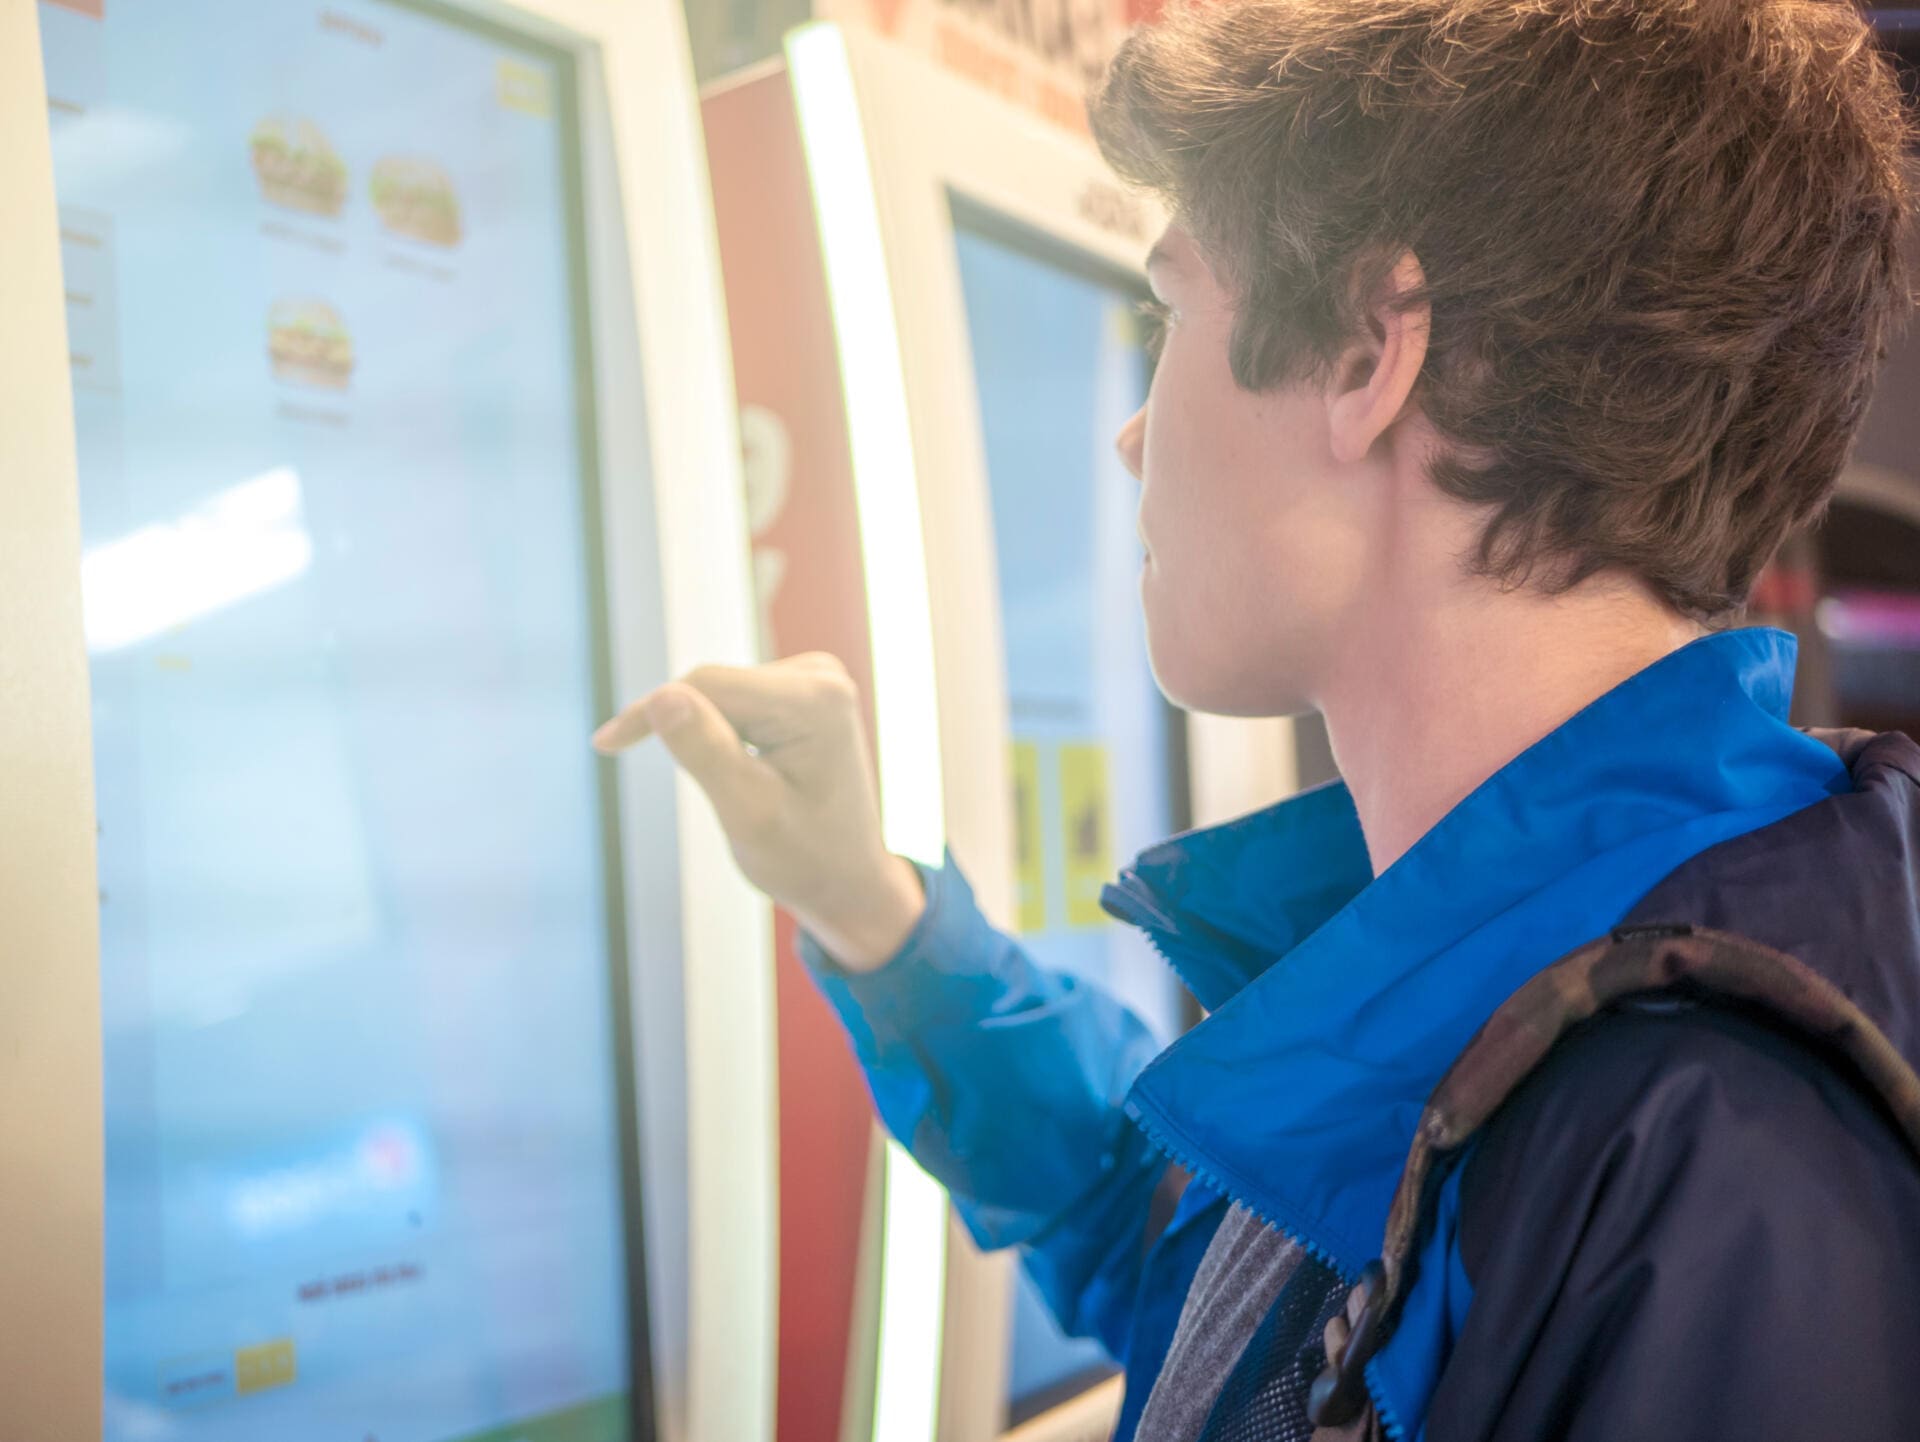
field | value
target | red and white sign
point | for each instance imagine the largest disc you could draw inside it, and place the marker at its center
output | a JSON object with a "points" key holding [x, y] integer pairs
{"points": [[1043, 55]]}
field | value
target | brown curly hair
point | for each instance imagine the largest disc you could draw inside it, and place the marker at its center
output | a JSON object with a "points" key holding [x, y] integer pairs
{"points": [[1661, 241]]}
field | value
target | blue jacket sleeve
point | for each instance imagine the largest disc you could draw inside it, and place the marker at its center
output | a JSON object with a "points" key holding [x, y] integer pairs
{"points": [[1005, 1082]]}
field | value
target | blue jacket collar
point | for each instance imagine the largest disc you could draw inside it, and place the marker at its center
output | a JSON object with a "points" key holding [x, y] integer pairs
{"points": [[1339, 999]]}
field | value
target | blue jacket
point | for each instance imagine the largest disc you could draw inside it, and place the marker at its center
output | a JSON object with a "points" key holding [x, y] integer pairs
{"points": [[1337, 1000]]}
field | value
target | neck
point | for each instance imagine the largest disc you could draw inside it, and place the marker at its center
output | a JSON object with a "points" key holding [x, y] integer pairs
{"points": [[1420, 714]]}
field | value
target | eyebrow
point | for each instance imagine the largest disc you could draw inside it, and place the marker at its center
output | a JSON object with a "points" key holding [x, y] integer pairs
{"points": [[1160, 255]]}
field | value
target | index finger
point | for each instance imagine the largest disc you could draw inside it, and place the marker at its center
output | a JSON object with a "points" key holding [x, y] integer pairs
{"points": [[629, 728], [759, 702]]}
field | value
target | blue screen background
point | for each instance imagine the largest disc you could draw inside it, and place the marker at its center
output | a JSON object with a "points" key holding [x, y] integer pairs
{"points": [[361, 1102]]}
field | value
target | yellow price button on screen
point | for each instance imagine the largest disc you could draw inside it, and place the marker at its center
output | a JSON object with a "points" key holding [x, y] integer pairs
{"points": [[1086, 811], [1030, 867], [261, 1368]]}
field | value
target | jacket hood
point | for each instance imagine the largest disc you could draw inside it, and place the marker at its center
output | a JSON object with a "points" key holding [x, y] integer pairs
{"points": [[1836, 886]]}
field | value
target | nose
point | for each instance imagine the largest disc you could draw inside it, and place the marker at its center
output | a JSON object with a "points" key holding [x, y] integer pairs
{"points": [[1131, 441]]}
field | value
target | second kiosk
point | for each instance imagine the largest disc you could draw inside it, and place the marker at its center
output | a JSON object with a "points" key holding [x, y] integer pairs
{"points": [[933, 297]]}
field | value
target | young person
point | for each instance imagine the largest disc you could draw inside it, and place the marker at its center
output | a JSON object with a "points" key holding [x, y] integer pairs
{"points": [[1505, 341]]}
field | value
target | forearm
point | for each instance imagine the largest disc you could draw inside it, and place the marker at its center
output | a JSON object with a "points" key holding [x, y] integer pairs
{"points": [[1003, 1079]]}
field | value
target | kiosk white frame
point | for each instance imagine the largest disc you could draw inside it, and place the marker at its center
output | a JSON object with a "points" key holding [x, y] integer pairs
{"points": [[660, 331], [889, 140]]}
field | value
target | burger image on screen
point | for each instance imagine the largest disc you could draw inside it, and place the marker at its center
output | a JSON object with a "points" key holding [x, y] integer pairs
{"points": [[296, 166], [415, 199], [309, 345]]}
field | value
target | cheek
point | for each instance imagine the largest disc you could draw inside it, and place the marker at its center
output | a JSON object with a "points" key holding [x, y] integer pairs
{"points": [[1234, 572], [1203, 591], [1206, 499]]}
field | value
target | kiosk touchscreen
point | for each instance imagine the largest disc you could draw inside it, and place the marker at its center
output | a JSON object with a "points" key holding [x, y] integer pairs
{"points": [[1098, 755], [1058, 369], [389, 962]]}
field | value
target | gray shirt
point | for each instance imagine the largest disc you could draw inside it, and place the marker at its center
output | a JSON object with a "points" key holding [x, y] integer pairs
{"points": [[1239, 1280]]}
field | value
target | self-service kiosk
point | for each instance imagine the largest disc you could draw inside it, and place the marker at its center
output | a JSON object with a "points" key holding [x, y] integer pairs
{"points": [[379, 1063], [933, 298]]}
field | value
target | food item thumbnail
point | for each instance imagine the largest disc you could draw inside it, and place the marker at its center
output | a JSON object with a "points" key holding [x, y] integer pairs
{"points": [[309, 345], [296, 166], [415, 199]]}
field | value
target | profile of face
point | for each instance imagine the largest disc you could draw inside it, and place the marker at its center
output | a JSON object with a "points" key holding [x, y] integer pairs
{"points": [[1262, 512]]}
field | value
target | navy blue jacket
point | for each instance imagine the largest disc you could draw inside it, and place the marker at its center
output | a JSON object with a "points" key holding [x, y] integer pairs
{"points": [[1687, 1224]]}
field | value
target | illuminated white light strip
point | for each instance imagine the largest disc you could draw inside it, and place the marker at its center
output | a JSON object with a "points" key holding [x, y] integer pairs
{"points": [[913, 1295], [881, 441], [906, 707], [246, 540]]}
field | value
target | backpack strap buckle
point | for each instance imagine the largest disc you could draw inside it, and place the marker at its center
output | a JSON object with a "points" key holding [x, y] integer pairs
{"points": [[1353, 1336]]}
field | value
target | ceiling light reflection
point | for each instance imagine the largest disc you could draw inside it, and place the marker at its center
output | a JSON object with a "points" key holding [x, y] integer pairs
{"points": [[239, 543]]}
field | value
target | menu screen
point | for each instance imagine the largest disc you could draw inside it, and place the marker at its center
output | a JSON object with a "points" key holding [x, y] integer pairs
{"points": [[366, 1175], [1058, 367]]}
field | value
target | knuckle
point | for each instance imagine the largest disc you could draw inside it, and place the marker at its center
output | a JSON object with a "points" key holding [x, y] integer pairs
{"points": [[836, 690]]}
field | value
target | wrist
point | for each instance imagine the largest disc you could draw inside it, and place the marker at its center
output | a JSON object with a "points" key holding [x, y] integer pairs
{"points": [[865, 934]]}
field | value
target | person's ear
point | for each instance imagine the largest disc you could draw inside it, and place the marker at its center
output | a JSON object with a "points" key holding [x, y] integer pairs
{"points": [[1376, 373]]}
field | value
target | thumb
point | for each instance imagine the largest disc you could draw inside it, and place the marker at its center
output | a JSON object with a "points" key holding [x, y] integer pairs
{"points": [[710, 751]]}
